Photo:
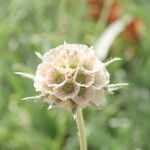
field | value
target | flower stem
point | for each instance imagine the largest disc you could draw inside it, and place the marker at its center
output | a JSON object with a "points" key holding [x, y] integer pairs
{"points": [[81, 129]]}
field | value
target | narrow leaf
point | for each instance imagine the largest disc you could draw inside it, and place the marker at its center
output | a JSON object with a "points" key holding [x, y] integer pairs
{"points": [[113, 87], [111, 61], [33, 97], [50, 106], [39, 55], [25, 75]]}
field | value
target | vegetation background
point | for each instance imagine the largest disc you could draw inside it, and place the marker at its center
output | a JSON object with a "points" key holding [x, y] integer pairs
{"points": [[121, 123]]}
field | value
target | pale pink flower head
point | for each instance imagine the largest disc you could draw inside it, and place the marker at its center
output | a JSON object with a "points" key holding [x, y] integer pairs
{"points": [[72, 76]]}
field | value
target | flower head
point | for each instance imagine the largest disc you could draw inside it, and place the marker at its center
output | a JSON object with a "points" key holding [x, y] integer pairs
{"points": [[72, 76]]}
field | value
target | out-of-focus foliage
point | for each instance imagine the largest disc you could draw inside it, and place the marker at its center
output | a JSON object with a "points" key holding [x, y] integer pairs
{"points": [[122, 123]]}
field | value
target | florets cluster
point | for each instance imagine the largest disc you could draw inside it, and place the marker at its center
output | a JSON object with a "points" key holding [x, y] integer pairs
{"points": [[71, 76]]}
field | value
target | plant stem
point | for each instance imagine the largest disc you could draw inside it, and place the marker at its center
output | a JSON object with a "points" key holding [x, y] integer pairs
{"points": [[81, 129], [104, 14]]}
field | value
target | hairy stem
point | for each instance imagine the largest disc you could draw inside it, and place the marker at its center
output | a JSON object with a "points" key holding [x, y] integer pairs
{"points": [[81, 129]]}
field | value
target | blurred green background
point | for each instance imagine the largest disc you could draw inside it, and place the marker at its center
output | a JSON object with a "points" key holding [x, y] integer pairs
{"points": [[123, 120]]}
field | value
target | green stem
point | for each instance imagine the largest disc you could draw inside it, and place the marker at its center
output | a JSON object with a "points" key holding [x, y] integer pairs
{"points": [[104, 14], [81, 129]]}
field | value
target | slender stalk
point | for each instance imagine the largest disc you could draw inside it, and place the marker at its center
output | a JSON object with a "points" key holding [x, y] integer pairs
{"points": [[104, 14], [81, 129]]}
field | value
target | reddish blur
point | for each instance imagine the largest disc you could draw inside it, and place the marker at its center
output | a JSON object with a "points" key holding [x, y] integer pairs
{"points": [[115, 12], [133, 30], [96, 7]]}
